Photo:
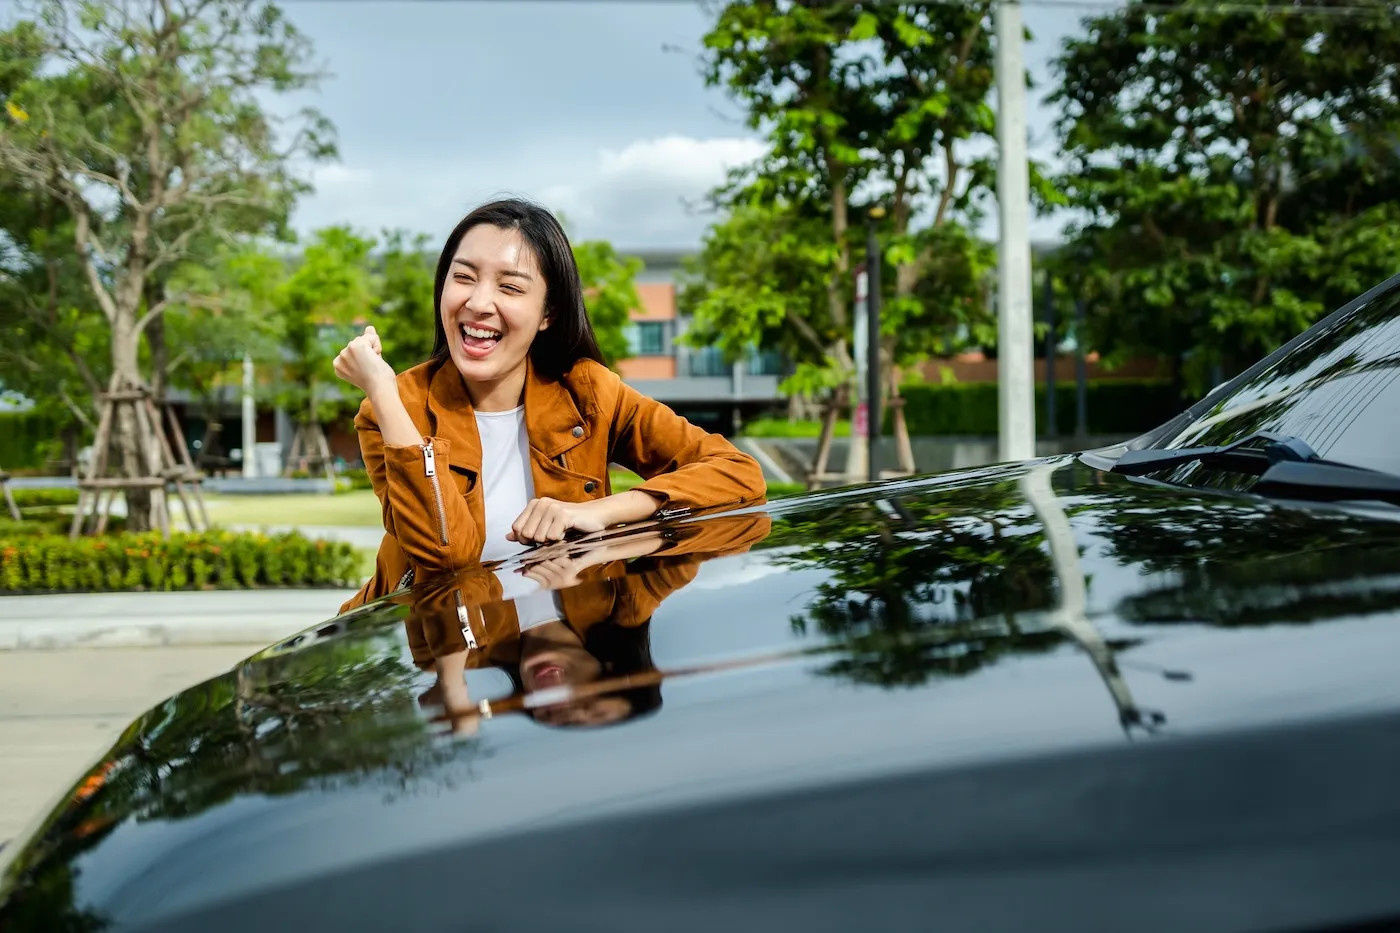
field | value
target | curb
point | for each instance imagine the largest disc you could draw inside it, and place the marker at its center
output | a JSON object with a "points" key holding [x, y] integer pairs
{"points": [[159, 620]]}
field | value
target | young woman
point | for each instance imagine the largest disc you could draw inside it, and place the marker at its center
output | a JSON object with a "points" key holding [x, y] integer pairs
{"points": [[503, 438]]}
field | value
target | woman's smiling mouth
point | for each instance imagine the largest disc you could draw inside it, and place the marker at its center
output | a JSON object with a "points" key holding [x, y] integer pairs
{"points": [[478, 342]]}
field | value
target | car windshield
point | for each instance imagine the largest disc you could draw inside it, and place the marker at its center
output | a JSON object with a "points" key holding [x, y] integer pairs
{"points": [[1338, 391]]}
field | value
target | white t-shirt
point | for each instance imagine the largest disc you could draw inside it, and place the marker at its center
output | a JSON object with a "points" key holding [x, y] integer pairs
{"points": [[507, 487]]}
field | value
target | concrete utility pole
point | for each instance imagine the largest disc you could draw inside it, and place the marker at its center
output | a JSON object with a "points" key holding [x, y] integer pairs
{"points": [[1015, 333], [873, 376], [250, 421], [858, 460]]}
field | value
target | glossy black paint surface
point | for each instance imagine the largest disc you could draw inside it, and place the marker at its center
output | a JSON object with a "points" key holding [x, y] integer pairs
{"points": [[916, 697]]}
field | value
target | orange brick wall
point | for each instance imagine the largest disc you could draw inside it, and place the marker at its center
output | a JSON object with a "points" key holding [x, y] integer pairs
{"points": [[658, 302], [648, 367], [975, 367]]}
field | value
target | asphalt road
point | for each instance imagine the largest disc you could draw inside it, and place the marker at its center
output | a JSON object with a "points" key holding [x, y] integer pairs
{"points": [[59, 710]]}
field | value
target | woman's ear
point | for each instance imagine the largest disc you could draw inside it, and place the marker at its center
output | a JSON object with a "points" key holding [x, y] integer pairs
{"points": [[545, 321]]}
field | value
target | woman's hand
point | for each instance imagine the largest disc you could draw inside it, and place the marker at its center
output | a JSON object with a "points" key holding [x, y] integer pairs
{"points": [[362, 364], [547, 520], [560, 571]]}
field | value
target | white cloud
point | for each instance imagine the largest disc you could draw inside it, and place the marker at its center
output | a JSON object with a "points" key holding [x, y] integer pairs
{"points": [[695, 162], [637, 195], [634, 195], [339, 177]]}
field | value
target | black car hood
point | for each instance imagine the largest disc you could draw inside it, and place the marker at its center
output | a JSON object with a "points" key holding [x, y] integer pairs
{"points": [[1006, 613]]}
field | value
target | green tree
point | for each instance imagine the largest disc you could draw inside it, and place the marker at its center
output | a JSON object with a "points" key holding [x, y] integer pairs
{"points": [[782, 63], [405, 302], [224, 313], [330, 292], [146, 121], [760, 280], [928, 77], [52, 352], [873, 113], [610, 292], [1238, 173]]}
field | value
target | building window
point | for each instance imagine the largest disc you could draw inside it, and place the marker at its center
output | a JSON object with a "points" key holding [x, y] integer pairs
{"points": [[708, 361], [765, 363], [647, 338]]}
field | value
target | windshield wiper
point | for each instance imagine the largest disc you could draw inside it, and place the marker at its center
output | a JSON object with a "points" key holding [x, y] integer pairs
{"points": [[1244, 455], [1287, 467]]}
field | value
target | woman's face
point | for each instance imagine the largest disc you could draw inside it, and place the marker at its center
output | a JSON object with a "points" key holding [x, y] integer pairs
{"points": [[553, 656], [493, 303]]}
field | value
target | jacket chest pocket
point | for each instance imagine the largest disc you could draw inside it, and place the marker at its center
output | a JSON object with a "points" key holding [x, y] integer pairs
{"points": [[464, 479]]}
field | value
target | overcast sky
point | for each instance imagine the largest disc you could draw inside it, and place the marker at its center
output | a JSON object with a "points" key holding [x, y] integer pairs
{"points": [[577, 104]]}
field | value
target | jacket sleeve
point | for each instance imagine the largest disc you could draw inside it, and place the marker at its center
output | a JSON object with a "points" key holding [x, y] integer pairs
{"points": [[654, 578], [422, 510], [683, 465]]}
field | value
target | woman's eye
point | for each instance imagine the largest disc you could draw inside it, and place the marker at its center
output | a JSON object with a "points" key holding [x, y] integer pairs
{"points": [[463, 278], [510, 289]]}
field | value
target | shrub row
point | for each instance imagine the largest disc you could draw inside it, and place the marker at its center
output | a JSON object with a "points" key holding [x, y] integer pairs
{"points": [[207, 560], [26, 439], [28, 498], [1113, 406]]}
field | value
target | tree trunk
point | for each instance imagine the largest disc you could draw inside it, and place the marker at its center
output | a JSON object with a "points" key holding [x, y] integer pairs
{"points": [[160, 349], [836, 403], [903, 445], [130, 448]]}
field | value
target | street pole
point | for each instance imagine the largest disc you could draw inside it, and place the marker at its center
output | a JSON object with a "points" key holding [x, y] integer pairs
{"points": [[873, 261], [858, 459], [250, 422], [1015, 334], [1051, 345], [1081, 376]]}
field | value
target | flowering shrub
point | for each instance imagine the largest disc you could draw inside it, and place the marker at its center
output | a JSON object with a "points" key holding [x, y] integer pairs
{"points": [[205, 560]]}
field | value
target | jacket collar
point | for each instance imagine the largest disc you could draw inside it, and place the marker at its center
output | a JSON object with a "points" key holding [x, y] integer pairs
{"points": [[553, 421]]}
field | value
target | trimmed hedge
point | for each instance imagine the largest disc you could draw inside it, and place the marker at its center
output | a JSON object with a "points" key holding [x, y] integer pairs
{"points": [[26, 439], [1114, 406], [37, 522], [353, 479], [782, 427], [969, 409], [146, 561], [31, 498]]}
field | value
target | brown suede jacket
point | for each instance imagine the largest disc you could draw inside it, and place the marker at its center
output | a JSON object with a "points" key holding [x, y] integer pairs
{"points": [[431, 496]]}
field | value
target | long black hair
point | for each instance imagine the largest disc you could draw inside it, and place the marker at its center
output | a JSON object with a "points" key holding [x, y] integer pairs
{"points": [[569, 337]]}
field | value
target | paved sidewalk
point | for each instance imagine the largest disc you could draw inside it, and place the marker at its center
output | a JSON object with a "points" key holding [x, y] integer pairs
{"points": [[139, 620], [59, 710]]}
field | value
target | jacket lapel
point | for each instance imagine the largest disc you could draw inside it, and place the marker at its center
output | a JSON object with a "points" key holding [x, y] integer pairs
{"points": [[552, 417], [452, 418]]}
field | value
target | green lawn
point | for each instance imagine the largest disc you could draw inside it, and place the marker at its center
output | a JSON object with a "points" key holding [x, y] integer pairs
{"points": [[348, 509], [357, 509]]}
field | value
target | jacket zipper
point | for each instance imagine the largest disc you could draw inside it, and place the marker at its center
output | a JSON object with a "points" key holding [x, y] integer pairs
{"points": [[430, 469], [465, 621]]}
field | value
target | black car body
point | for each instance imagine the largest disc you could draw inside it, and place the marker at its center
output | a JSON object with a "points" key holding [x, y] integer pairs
{"points": [[1050, 695]]}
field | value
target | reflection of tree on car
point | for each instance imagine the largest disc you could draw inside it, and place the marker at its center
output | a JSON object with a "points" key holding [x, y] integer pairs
{"points": [[592, 666], [919, 587]]}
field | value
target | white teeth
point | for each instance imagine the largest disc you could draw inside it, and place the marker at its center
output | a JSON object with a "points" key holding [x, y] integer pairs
{"points": [[480, 332]]}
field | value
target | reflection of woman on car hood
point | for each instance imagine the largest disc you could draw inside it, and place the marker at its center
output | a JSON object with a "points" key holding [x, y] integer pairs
{"points": [[592, 664]]}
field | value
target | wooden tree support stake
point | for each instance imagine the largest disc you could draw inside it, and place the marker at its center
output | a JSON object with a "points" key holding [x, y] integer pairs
{"points": [[9, 496], [159, 465]]}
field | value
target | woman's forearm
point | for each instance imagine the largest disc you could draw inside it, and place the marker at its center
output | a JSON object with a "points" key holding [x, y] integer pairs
{"points": [[396, 427], [626, 507]]}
